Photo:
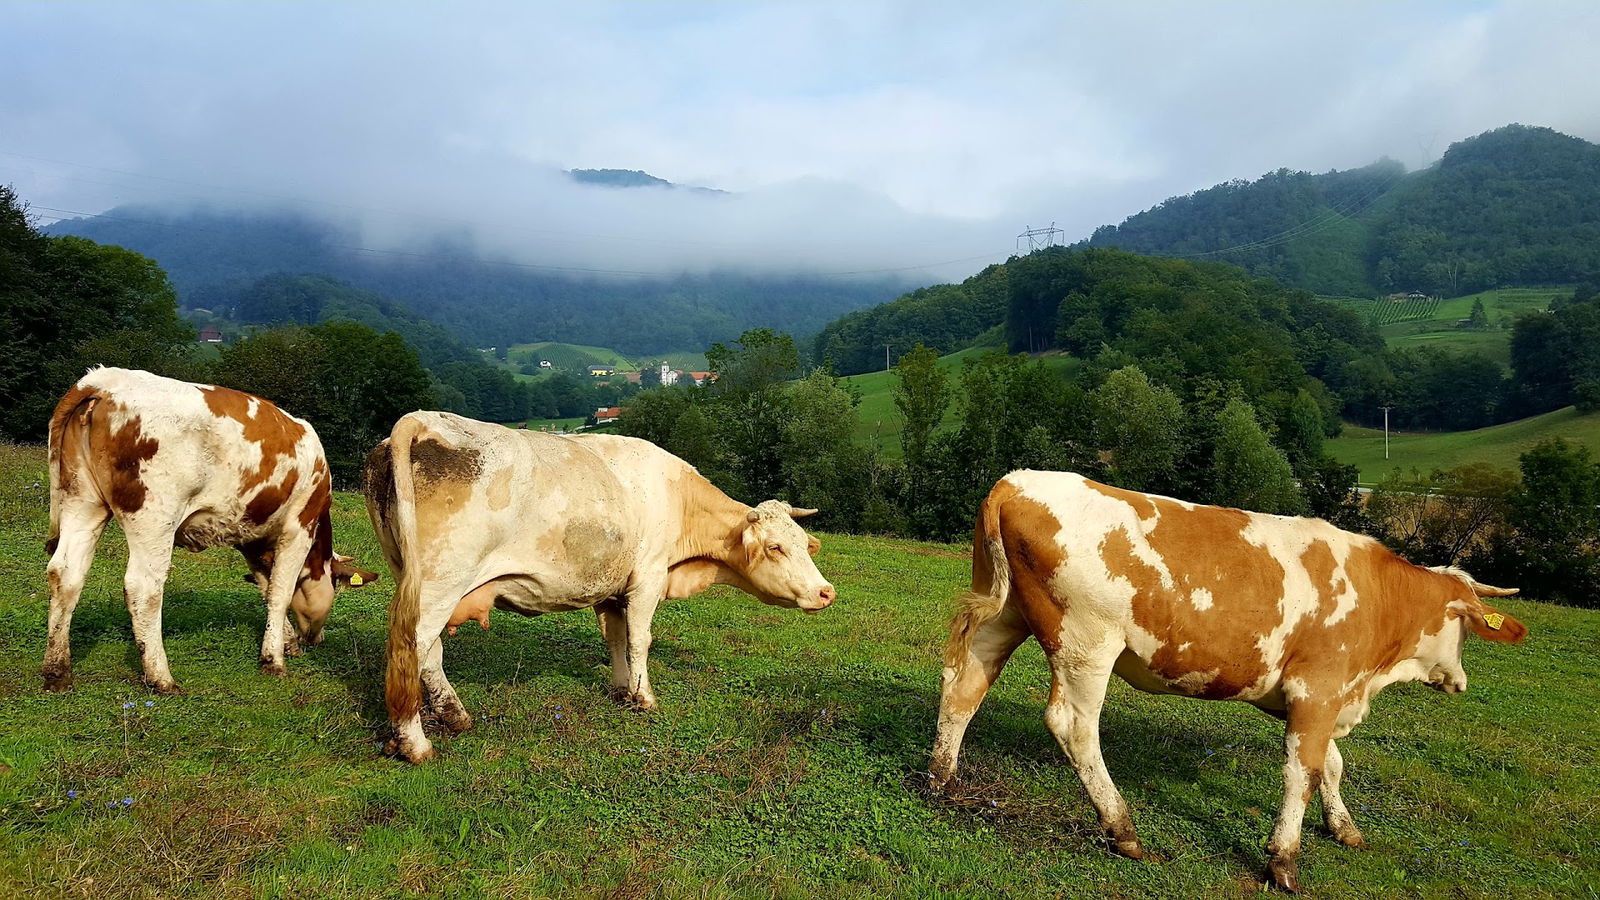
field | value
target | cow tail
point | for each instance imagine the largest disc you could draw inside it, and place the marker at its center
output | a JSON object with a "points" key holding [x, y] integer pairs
{"points": [[979, 607], [403, 681], [69, 430]]}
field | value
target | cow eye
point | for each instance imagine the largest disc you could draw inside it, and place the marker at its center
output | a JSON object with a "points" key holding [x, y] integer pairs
{"points": [[776, 548]]}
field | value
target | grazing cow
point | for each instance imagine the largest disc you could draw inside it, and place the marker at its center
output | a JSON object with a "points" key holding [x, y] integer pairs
{"points": [[194, 466], [473, 516], [1294, 616]]}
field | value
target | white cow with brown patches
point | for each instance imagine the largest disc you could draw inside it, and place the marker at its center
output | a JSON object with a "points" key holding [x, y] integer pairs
{"points": [[196, 466], [1292, 615], [474, 516]]}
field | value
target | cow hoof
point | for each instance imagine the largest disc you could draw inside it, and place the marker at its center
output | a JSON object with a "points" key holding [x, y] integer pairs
{"points": [[1351, 838], [275, 669], [292, 650], [167, 688], [1284, 874], [1132, 849], [58, 683]]}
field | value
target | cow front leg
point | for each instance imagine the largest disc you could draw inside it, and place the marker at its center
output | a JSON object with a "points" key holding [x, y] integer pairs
{"points": [[614, 628], [142, 588], [641, 610], [966, 681], [1306, 749], [1077, 693], [288, 561], [80, 529], [1334, 812]]}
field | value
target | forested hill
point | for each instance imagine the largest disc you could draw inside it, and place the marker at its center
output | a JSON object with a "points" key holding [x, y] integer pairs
{"points": [[212, 256], [1515, 206]]}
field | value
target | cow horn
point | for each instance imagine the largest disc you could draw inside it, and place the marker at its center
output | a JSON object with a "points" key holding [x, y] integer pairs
{"points": [[1489, 590], [800, 512], [752, 516]]}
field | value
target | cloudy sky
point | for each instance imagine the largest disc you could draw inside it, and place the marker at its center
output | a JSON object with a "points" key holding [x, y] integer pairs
{"points": [[857, 135]]}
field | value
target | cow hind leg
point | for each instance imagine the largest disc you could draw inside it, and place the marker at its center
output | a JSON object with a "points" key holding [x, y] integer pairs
{"points": [[435, 606], [966, 681], [614, 628], [441, 697], [1077, 694], [146, 578], [1334, 813], [80, 529]]}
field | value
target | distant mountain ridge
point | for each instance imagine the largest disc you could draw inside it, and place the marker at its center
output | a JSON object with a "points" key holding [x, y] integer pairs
{"points": [[1516, 206], [630, 178], [213, 256]]}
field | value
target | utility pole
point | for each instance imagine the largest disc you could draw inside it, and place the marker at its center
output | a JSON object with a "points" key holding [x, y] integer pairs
{"points": [[1386, 430], [886, 357]]}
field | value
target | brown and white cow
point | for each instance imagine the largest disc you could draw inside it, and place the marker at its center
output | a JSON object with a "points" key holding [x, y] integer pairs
{"points": [[195, 466], [1303, 620], [473, 516]]}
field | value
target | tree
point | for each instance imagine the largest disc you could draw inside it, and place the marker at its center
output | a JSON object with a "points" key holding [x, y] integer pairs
{"points": [[752, 406], [922, 394], [1249, 472], [1441, 518], [1139, 426], [66, 304], [1479, 318], [1551, 545]]}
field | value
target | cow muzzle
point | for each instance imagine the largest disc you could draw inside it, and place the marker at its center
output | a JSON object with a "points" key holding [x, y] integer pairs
{"points": [[821, 600]]}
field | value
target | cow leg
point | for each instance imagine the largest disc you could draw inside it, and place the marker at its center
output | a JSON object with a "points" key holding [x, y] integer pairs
{"points": [[614, 628], [148, 564], [1077, 693], [1334, 812], [642, 602], [261, 577], [967, 682], [434, 609], [441, 696], [1307, 743], [289, 558], [81, 525]]}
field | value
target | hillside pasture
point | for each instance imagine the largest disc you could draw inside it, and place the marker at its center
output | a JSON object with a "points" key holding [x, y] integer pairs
{"points": [[785, 760], [878, 421], [1499, 445], [1435, 323]]}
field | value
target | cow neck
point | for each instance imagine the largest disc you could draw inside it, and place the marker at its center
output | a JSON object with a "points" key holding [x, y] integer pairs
{"points": [[713, 526]]}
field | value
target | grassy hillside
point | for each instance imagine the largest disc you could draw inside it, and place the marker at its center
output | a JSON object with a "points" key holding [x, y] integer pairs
{"points": [[1497, 444], [783, 762], [878, 421], [1434, 323], [578, 357]]}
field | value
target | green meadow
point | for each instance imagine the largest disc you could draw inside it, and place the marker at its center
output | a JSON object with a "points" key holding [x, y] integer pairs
{"points": [[1436, 325], [1499, 445], [785, 760]]}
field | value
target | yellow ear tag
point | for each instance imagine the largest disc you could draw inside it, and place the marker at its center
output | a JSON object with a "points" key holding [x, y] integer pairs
{"points": [[1494, 620], [355, 581]]}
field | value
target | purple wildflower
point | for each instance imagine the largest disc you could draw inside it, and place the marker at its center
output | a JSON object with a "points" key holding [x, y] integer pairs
{"points": [[72, 795], [128, 705], [127, 801], [558, 715], [149, 703]]}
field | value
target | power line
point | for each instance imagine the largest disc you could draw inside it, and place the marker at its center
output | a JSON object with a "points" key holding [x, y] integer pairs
{"points": [[1310, 226]]}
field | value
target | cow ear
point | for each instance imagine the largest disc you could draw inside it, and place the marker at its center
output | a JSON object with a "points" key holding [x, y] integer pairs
{"points": [[812, 545], [1491, 624], [346, 575]]}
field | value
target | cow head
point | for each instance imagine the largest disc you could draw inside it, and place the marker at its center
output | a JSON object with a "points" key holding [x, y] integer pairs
{"points": [[1440, 653], [324, 575], [775, 564]]}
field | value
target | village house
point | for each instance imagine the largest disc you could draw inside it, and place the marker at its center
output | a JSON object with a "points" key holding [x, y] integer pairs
{"points": [[599, 371], [210, 335]]}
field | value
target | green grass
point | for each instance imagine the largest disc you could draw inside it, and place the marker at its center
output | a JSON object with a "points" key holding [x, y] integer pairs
{"points": [[578, 357], [878, 421], [1500, 445], [783, 761]]}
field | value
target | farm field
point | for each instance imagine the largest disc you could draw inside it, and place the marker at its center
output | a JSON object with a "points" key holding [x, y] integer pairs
{"points": [[578, 357], [1432, 323], [878, 422], [1500, 445], [783, 762]]}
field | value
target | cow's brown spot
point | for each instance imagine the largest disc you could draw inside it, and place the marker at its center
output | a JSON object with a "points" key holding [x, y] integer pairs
{"points": [[270, 499], [433, 461], [127, 448], [1029, 531], [378, 481], [321, 496], [1144, 506], [272, 431], [1206, 554]]}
